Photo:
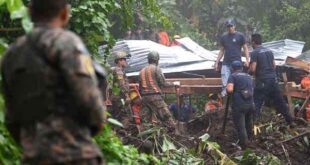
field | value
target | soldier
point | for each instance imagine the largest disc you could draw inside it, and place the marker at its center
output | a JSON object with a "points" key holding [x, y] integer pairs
{"points": [[121, 100], [151, 81], [53, 105]]}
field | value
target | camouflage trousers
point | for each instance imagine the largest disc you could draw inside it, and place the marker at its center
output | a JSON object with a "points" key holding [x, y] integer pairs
{"points": [[120, 111], [155, 108]]}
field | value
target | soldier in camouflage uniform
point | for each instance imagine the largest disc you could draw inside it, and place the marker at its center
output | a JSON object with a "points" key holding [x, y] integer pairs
{"points": [[121, 100], [151, 81], [53, 105]]}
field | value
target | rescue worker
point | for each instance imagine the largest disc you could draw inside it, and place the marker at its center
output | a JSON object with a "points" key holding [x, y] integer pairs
{"points": [[266, 86], [214, 103], [121, 100], [151, 81], [231, 44], [241, 86], [174, 42], [186, 110], [53, 104]]}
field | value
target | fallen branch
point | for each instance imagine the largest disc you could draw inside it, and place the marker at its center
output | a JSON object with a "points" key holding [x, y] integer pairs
{"points": [[286, 154], [10, 29], [209, 125], [295, 137]]}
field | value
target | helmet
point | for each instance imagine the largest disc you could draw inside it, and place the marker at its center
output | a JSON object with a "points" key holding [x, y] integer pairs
{"points": [[153, 55], [119, 55]]}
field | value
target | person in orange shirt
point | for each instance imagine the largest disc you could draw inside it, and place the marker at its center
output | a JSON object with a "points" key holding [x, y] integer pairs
{"points": [[214, 103], [164, 38]]}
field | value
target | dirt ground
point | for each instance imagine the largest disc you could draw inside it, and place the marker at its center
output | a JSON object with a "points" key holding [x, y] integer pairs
{"points": [[269, 140]]}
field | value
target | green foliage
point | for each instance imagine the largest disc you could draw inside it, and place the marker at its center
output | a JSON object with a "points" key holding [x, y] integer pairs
{"points": [[3, 46], [17, 10], [117, 153], [90, 20], [213, 150], [250, 158], [9, 152]]}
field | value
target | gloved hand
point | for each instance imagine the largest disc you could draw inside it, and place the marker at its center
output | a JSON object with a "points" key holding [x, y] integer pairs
{"points": [[256, 129]]}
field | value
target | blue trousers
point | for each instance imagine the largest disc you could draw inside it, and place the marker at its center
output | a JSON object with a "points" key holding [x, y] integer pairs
{"points": [[269, 89], [225, 73]]}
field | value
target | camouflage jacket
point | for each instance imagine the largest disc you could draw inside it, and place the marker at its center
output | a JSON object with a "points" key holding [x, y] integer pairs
{"points": [[120, 80], [152, 80], [51, 70]]}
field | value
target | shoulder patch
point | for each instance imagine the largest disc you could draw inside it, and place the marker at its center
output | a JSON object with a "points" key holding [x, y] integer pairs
{"points": [[86, 64], [120, 77]]}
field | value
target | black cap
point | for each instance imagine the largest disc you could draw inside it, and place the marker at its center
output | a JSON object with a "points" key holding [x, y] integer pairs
{"points": [[230, 22]]}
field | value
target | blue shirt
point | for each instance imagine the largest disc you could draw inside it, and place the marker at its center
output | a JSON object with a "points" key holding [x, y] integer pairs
{"points": [[232, 43], [185, 111], [241, 81], [264, 63]]}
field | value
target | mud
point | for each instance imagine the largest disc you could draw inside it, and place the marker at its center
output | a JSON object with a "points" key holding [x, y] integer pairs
{"points": [[267, 141]]}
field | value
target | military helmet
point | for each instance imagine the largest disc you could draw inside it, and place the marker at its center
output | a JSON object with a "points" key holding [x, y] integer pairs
{"points": [[119, 55], [153, 56]]}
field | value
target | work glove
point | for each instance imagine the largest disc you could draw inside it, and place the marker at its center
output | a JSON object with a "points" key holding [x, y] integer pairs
{"points": [[256, 129]]}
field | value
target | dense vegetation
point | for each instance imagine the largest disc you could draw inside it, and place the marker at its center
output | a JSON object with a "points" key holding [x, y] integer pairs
{"points": [[100, 22]]}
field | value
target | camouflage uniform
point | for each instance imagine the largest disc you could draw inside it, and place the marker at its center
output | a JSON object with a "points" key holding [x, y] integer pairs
{"points": [[53, 105], [151, 81], [120, 108]]}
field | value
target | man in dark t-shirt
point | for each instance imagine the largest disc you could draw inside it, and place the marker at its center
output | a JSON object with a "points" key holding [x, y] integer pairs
{"points": [[231, 44], [241, 86], [266, 86]]}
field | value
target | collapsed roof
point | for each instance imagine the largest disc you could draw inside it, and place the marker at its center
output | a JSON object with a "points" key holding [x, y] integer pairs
{"points": [[187, 57], [190, 56], [283, 48]]}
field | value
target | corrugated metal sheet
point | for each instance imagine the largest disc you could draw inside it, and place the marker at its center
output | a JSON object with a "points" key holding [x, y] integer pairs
{"points": [[190, 56], [283, 48], [305, 56]]}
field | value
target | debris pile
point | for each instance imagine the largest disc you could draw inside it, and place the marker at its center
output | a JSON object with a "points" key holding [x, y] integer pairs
{"points": [[203, 142]]}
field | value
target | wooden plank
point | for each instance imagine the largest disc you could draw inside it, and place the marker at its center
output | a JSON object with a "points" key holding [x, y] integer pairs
{"points": [[195, 81], [297, 94], [298, 63], [294, 90], [197, 89], [289, 98]]}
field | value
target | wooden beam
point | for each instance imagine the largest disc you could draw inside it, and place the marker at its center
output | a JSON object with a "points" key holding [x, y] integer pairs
{"points": [[298, 63], [10, 29], [289, 98], [197, 89], [197, 81]]}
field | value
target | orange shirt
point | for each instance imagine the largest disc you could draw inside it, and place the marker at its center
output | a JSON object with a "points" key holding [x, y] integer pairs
{"points": [[164, 38]]}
